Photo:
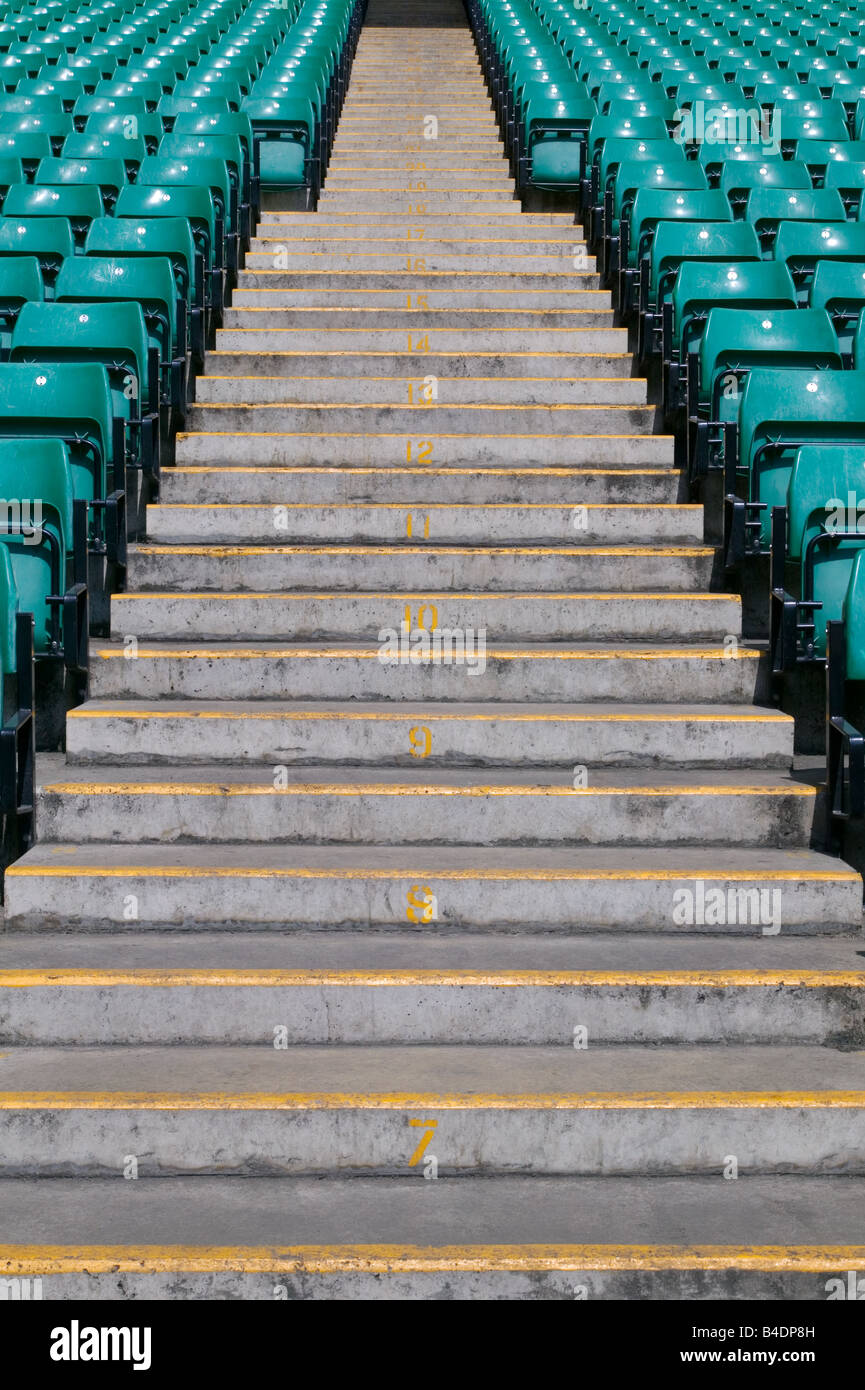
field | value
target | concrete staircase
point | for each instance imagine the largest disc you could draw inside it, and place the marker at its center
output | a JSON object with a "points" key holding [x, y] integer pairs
{"points": [[487, 965]]}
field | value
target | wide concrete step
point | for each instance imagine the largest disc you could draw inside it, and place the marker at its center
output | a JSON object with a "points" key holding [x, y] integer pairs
{"points": [[400, 390], [395, 521], [384, 806], [510, 216], [489, 1238], [602, 1111], [470, 486], [439, 417], [438, 202], [442, 237], [283, 733], [154, 989], [367, 162], [332, 228], [424, 446], [419, 282], [258, 293], [279, 252], [420, 257], [400, 148], [410, 142], [403, 181], [415, 567], [446, 665], [727, 892], [543, 366], [261, 313], [404, 131], [345, 617], [251, 334]]}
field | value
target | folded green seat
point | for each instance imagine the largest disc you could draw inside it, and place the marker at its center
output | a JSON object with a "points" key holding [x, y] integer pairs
{"points": [[78, 204], [115, 336], [43, 560], [160, 237], [699, 287], [149, 282], [48, 239], [735, 342]]}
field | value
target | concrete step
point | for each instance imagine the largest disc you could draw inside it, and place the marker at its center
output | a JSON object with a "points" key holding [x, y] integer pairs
{"points": [[459, 164], [281, 251], [417, 282], [302, 617], [423, 445], [400, 146], [332, 231], [251, 333], [436, 204], [604, 1111], [261, 313], [165, 990], [521, 735], [420, 257], [263, 295], [398, 390], [383, 806], [397, 521], [406, 131], [728, 892], [450, 666], [435, 181], [502, 1238], [416, 567], [439, 417], [289, 227], [511, 216], [486, 365], [470, 486], [528, 617]]}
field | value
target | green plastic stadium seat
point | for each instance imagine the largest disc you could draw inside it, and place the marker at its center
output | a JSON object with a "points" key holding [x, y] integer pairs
{"points": [[49, 239], [159, 236], [767, 208], [701, 286], [43, 552], [147, 281], [20, 281], [78, 203], [800, 245], [195, 204], [114, 335]]}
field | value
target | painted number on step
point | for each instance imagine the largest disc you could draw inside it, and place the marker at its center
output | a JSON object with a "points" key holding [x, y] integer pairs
{"points": [[419, 741], [425, 610], [419, 451]]}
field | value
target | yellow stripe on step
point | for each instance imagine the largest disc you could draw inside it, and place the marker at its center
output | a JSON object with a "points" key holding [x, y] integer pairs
{"points": [[430, 716], [431, 1100], [230, 978], [43, 1260], [24, 869], [372, 654], [132, 788]]}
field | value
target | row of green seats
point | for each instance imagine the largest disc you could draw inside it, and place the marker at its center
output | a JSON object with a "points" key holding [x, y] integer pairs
{"points": [[128, 198], [551, 71], [287, 69], [295, 101]]}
